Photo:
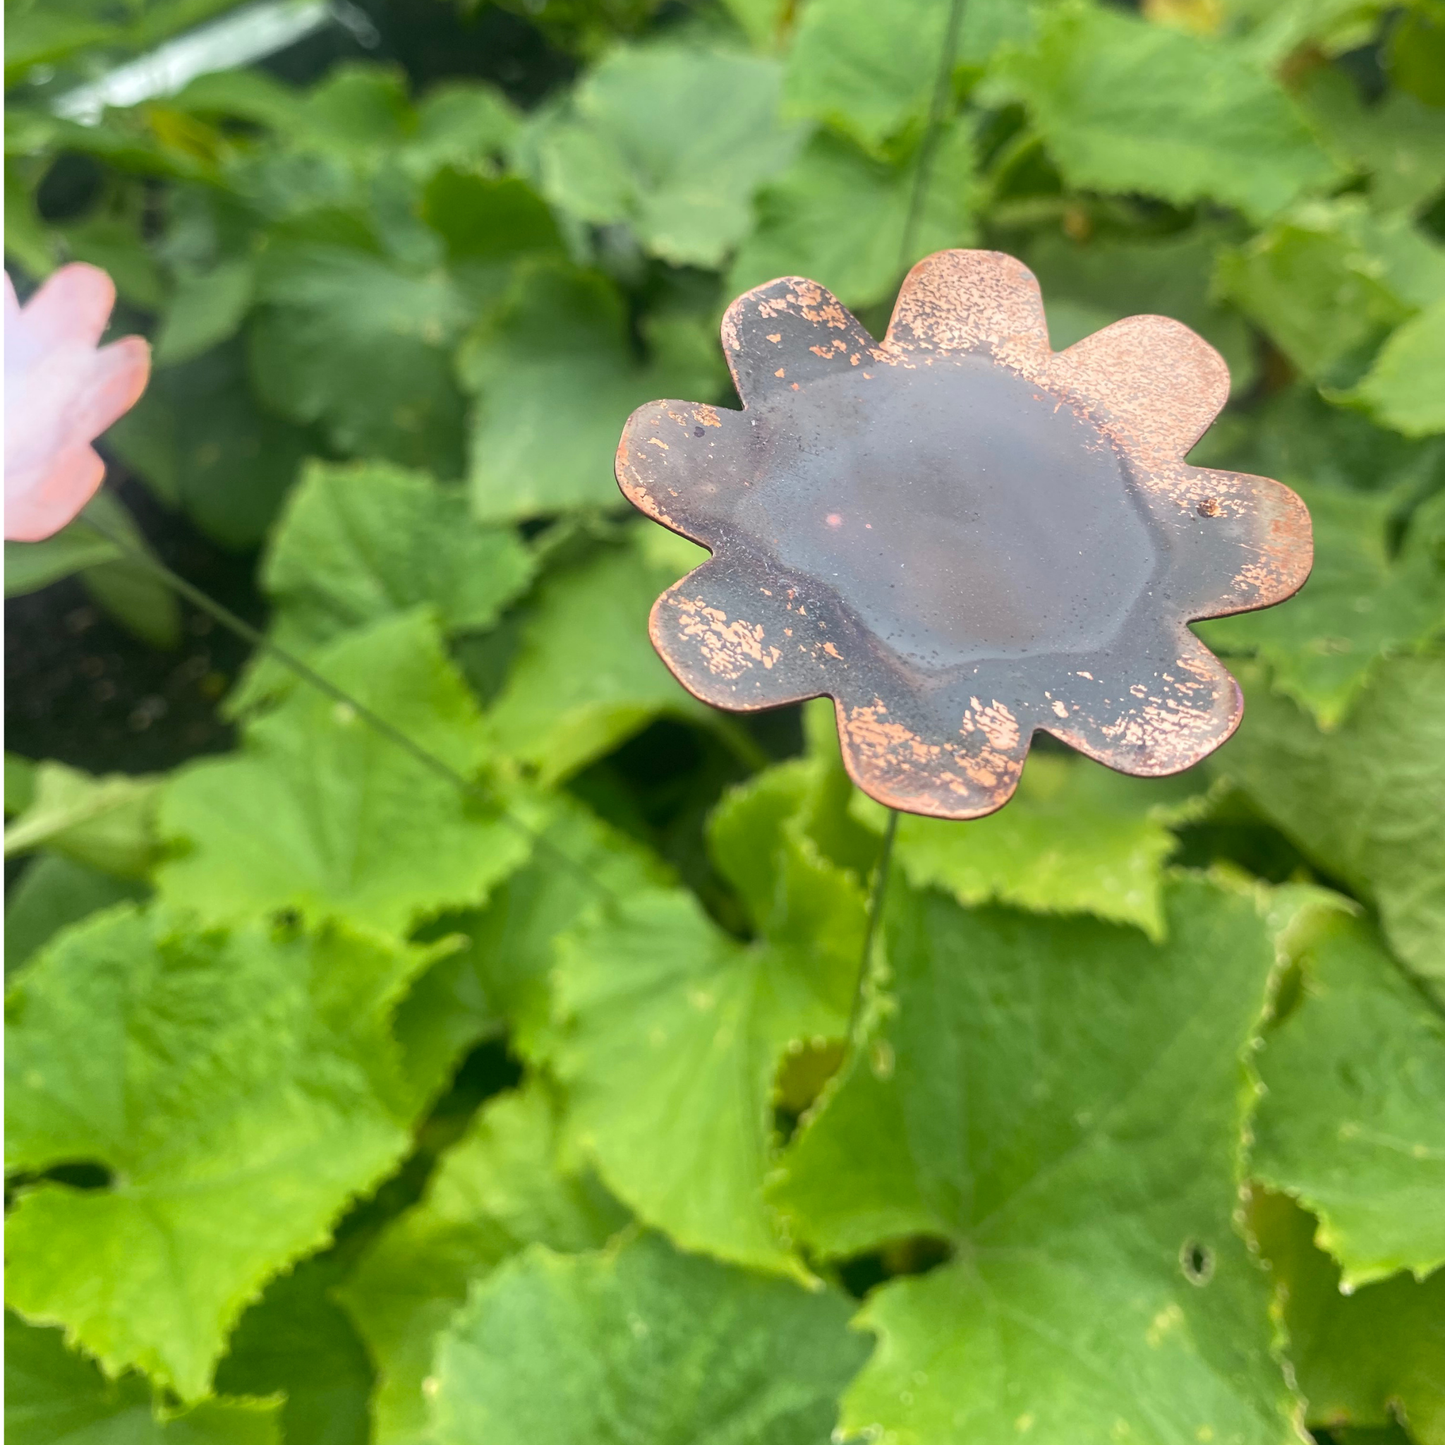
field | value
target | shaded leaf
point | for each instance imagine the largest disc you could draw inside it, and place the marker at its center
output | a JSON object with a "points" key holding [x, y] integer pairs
{"points": [[1359, 607], [53, 892], [1366, 802], [1350, 1123], [641, 1344], [29, 566], [54, 1397], [1403, 389], [1360, 1359], [107, 823], [502, 1186]]}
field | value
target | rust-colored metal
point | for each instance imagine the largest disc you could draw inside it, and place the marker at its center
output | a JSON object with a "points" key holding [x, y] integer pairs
{"points": [[960, 535]]}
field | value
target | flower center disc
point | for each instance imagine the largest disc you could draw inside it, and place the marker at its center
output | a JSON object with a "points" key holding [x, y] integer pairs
{"points": [[956, 509]]}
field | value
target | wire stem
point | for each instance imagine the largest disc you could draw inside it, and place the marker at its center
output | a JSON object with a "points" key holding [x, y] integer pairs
{"points": [[373, 719], [938, 106], [877, 895]]}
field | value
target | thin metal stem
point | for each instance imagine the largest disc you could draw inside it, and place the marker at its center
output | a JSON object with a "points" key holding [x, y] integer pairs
{"points": [[942, 85], [877, 895], [373, 719]]}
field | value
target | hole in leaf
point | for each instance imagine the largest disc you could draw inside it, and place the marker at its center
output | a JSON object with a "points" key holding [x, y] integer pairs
{"points": [[1197, 1261], [918, 1254]]}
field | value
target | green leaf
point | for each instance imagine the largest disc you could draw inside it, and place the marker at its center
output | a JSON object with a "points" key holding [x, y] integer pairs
{"points": [[53, 892], [200, 442], [1062, 1103], [20, 778], [1127, 106], [498, 981], [297, 1341], [108, 823], [867, 69], [841, 217], [1398, 141], [1330, 279], [1350, 1123], [585, 677], [205, 310], [238, 1090], [558, 378], [129, 590], [1367, 801], [1088, 287], [356, 343], [1364, 1358], [671, 1033], [29, 566], [1075, 838], [502, 1186], [321, 813], [641, 1344], [359, 543], [672, 140], [870, 70], [1404, 387], [1359, 607], [53, 1397]]}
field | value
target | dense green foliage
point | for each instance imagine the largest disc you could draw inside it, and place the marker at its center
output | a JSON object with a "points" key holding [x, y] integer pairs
{"points": [[346, 1104]]}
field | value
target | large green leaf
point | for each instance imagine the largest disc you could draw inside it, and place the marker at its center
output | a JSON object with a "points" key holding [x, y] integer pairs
{"points": [[641, 1343], [585, 677], [842, 217], [1360, 606], [503, 1185], [360, 543], [297, 1341], [1367, 801], [1128, 106], [1404, 387], [672, 140], [558, 377], [238, 1090], [1351, 1123], [1075, 838], [54, 1397], [1361, 1359], [671, 1032], [322, 813], [353, 341], [1062, 1103], [29, 566]]}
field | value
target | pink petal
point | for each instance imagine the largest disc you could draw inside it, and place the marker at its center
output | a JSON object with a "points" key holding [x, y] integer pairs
{"points": [[61, 393], [38, 504]]}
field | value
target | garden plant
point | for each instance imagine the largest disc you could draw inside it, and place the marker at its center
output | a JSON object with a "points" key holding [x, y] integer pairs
{"points": [[430, 1024]]}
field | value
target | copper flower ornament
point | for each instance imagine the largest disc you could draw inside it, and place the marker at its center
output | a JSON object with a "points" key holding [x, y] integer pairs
{"points": [[960, 535]]}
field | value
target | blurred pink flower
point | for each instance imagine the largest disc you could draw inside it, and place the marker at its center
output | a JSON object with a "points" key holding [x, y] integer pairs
{"points": [[61, 392]]}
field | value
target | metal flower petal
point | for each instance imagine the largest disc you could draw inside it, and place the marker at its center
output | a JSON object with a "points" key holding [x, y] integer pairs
{"points": [[960, 535]]}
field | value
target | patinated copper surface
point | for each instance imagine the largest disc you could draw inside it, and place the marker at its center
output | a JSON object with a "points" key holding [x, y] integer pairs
{"points": [[960, 535]]}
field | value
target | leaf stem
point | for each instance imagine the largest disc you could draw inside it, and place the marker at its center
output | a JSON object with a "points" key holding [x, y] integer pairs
{"points": [[325, 686], [876, 898], [942, 85]]}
